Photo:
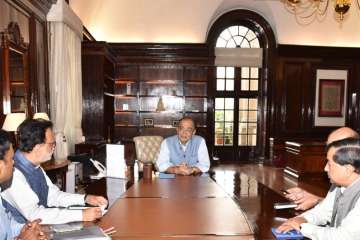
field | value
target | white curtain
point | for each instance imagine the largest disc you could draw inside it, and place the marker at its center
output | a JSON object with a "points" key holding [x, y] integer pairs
{"points": [[238, 57], [65, 87]]}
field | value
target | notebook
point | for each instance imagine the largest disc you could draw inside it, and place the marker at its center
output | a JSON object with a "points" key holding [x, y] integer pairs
{"points": [[91, 233], [166, 175], [293, 234]]}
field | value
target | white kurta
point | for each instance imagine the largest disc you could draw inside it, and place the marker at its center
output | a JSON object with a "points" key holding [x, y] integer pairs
{"points": [[321, 215], [21, 196]]}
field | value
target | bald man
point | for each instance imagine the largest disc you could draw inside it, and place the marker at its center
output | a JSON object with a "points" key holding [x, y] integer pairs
{"points": [[304, 199]]}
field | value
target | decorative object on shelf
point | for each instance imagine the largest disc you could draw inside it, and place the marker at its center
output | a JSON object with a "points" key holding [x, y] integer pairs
{"points": [[128, 88], [175, 123], [307, 10], [42, 115], [148, 122], [160, 105]]}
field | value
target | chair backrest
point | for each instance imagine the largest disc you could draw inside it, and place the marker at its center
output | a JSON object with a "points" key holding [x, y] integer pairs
{"points": [[147, 148]]}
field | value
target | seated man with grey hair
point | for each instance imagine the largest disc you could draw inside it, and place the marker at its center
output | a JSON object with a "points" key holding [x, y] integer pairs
{"points": [[184, 153], [336, 217]]}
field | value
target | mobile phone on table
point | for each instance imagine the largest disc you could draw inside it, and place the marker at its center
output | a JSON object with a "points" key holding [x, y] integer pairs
{"points": [[284, 191], [285, 205]]}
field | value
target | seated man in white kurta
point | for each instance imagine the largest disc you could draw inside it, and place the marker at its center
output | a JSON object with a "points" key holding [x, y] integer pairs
{"points": [[337, 216], [184, 153], [32, 195]]}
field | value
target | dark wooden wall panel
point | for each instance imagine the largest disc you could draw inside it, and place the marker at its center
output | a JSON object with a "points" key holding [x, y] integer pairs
{"points": [[294, 87], [293, 97], [93, 99]]}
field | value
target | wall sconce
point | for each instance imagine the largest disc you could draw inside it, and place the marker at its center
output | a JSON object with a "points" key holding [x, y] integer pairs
{"points": [[310, 9]]}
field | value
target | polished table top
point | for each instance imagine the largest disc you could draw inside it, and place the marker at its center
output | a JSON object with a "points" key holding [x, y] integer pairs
{"points": [[179, 187], [191, 207]]}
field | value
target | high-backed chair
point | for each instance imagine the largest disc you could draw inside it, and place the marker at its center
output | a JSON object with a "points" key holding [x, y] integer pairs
{"points": [[147, 149]]}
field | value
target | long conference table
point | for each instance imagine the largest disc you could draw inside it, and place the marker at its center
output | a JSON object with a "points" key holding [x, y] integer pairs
{"points": [[191, 207]]}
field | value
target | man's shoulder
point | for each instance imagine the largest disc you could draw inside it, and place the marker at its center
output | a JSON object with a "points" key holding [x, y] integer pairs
{"points": [[174, 137], [198, 138]]}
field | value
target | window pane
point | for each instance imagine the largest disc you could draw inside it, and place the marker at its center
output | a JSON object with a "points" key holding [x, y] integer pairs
{"points": [[229, 116], [242, 140], [220, 85], [242, 128], [238, 40], [234, 30], [245, 44], [229, 72], [245, 72], [252, 116], [219, 103], [250, 35], [219, 115], [253, 85], [220, 72], [225, 34], [219, 140], [243, 30], [229, 127], [252, 140], [252, 128], [243, 103], [244, 85], [229, 103], [231, 44], [243, 116], [220, 42], [219, 128], [228, 140], [254, 73], [255, 43], [229, 85], [253, 104]]}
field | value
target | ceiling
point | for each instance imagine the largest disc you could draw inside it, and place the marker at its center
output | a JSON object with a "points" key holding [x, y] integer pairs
{"points": [[188, 21]]}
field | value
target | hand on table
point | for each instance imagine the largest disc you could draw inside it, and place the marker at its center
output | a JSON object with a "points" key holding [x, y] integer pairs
{"points": [[91, 214], [32, 231], [302, 198], [96, 200], [292, 223]]}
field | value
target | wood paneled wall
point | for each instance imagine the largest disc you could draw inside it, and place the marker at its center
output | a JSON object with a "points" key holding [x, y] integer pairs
{"points": [[294, 89], [291, 89]]}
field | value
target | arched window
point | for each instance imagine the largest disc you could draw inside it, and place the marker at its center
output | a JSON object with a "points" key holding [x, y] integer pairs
{"points": [[241, 60]]}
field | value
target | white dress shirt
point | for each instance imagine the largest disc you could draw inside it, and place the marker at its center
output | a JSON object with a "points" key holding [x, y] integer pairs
{"points": [[21, 196], [321, 215], [9, 228], [163, 162]]}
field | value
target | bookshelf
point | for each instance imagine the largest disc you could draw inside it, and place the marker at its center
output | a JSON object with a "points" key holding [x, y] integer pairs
{"points": [[150, 99]]}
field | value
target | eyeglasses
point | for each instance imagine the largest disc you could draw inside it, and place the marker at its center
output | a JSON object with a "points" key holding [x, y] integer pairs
{"points": [[186, 130]]}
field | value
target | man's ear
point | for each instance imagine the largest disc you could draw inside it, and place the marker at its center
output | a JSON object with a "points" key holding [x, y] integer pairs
{"points": [[2, 166], [349, 169]]}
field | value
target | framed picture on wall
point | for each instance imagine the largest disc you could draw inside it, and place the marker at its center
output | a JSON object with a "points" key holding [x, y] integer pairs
{"points": [[331, 97], [148, 122]]}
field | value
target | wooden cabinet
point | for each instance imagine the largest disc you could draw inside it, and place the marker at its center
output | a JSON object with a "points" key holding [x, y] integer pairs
{"points": [[15, 71], [305, 159]]}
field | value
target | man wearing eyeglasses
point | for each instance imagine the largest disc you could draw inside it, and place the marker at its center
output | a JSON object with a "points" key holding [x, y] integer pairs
{"points": [[32, 195], [184, 153]]}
